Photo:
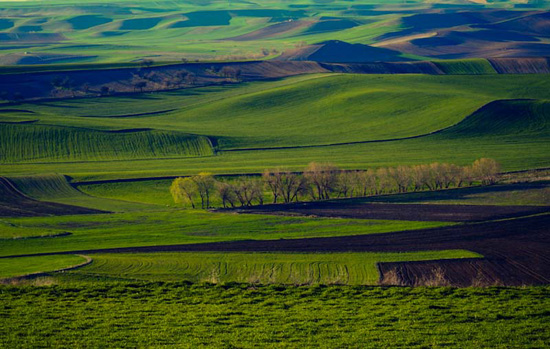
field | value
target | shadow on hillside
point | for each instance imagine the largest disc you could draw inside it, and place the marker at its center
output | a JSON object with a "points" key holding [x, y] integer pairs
{"points": [[452, 194]]}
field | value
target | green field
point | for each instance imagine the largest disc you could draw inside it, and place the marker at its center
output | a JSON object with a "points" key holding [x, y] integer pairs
{"points": [[19, 143], [178, 314], [476, 115], [262, 268], [124, 31], [151, 228], [10, 267]]}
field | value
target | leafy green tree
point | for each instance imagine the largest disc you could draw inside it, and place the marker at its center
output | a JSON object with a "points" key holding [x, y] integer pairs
{"points": [[184, 190]]}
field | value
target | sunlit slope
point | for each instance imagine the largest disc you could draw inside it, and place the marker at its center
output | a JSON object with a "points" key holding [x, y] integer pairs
{"points": [[28, 142], [330, 110]]}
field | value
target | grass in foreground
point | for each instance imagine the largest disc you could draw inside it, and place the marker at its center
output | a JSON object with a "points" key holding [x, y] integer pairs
{"points": [[184, 227], [263, 268], [237, 315], [10, 267]]}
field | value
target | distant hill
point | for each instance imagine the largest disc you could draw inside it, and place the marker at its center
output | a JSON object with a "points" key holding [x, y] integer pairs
{"points": [[336, 51]]}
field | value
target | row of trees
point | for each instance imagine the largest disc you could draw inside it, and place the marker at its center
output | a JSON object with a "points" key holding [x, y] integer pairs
{"points": [[324, 181]]}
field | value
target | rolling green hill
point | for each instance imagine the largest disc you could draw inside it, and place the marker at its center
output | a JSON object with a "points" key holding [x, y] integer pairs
{"points": [[511, 119], [299, 111]]}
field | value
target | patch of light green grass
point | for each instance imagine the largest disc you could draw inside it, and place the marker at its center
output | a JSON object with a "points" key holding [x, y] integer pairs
{"points": [[10, 267]]}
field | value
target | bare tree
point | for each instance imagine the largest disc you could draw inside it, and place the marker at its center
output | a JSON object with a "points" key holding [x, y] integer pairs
{"points": [[486, 170], [272, 180], [323, 178], [206, 184], [226, 193], [191, 79], [384, 181], [140, 85], [230, 72], [248, 191], [292, 186], [420, 175], [401, 177], [446, 174], [349, 182]]}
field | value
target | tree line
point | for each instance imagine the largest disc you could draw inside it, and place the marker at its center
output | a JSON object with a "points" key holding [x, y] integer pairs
{"points": [[323, 181]]}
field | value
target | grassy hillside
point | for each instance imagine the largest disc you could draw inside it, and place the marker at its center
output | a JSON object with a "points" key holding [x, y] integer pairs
{"points": [[299, 111], [263, 268], [512, 119], [518, 140], [28, 142]]}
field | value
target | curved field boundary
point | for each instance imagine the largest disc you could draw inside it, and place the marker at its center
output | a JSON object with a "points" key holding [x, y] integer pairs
{"points": [[20, 122], [16, 111], [15, 279], [130, 115]]}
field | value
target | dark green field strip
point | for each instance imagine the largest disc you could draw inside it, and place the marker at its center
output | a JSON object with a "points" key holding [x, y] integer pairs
{"points": [[19, 143], [519, 155]]}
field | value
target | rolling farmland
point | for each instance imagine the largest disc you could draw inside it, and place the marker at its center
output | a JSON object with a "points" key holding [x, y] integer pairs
{"points": [[269, 174]]}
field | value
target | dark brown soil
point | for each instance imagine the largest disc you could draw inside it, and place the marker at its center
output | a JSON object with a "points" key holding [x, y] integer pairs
{"points": [[410, 212]]}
